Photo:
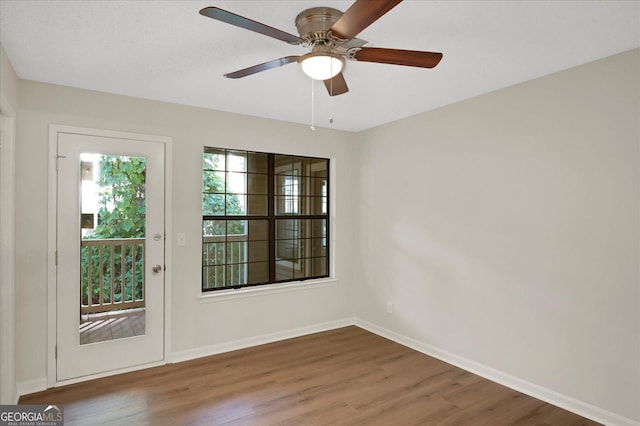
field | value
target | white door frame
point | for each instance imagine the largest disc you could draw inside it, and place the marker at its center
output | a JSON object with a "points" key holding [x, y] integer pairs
{"points": [[8, 389], [54, 129]]}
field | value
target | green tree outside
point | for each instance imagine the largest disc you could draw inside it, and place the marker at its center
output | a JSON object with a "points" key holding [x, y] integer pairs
{"points": [[121, 214]]}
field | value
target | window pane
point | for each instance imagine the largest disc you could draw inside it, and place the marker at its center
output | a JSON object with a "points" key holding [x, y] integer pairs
{"points": [[303, 269], [318, 186], [213, 204], [304, 205], [235, 275], [287, 191], [303, 165], [236, 161], [235, 227], [287, 243], [213, 159], [317, 205], [284, 270], [213, 277], [258, 273], [258, 162], [236, 205], [213, 182], [257, 205], [287, 250], [258, 230], [318, 228], [212, 252], [226, 251], [312, 205], [317, 247], [288, 183], [258, 251], [320, 167], [214, 227], [301, 247], [257, 184], [320, 267], [281, 205], [283, 164], [236, 182], [302, 183], [236, 251]]}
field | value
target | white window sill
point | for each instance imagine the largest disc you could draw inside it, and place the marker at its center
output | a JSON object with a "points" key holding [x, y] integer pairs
{"points": [[265, 290]]}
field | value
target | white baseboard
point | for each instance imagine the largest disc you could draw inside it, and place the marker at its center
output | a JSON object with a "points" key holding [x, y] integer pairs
{"points": [[258, 340], [15, 396], [563, 401], [31, 386]]}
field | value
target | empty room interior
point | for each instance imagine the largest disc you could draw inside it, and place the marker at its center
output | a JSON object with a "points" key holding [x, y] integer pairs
{"points": [[445, 229]]}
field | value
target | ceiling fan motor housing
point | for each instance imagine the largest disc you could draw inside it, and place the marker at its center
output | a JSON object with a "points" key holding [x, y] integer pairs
{"points": [[313, 24]]}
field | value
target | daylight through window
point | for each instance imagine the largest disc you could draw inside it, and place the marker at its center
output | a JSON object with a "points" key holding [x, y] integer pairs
{"points": [[264, 218]]}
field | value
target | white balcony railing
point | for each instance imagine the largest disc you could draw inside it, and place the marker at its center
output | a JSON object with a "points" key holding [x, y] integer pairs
{"points": [[225, 257], [112, 274]]}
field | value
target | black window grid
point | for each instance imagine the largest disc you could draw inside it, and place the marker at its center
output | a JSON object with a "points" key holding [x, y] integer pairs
{"points": [[307, 252]]}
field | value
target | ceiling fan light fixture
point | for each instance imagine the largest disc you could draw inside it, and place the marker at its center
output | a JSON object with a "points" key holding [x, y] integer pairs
{"points": [[321, 65]]}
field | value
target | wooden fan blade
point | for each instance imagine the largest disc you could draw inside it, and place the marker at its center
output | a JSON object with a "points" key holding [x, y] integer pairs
{"points": [[359, 16], [262, 67], [248, 24], [411, 58], [336, 85]]}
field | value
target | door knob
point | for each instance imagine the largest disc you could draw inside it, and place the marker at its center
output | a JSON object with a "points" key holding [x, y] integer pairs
{"points": [[156, 268]]}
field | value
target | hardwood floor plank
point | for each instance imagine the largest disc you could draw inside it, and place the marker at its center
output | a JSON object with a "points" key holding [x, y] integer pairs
{"points": [[346, 376]]}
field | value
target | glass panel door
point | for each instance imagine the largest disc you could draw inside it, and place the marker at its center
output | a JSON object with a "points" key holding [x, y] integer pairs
{"points": [[112, 255]]}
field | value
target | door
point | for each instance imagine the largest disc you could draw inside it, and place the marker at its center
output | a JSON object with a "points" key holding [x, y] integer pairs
{"points": [[110, 254]]}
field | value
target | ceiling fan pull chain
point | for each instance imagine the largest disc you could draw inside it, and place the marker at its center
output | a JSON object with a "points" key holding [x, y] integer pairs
{"points": [[331, 109], [331, 96], [313, 127]]}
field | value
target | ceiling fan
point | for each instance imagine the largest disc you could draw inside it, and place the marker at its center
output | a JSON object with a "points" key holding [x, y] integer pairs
{"points": [[331, 35]]}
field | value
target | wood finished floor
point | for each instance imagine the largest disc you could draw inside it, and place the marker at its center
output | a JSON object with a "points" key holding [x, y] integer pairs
{"points": [[346, 376]]}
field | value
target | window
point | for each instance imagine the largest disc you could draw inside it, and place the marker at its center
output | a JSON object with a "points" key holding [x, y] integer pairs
{"points": [[264, 218]]}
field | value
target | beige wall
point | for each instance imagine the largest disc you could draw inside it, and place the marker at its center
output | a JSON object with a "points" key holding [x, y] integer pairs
{"points": [[195, 325], [8, 84], [505, 230]]}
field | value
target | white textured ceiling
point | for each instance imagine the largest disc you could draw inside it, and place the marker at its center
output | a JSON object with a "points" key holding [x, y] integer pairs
{"points": [[165, 50]]}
